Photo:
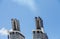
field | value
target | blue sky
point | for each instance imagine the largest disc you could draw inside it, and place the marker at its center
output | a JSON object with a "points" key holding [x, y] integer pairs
{"points": [[25, 11]]}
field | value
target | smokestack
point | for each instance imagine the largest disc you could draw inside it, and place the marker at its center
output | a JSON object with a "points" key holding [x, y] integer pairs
{"points": [[15, 24]]}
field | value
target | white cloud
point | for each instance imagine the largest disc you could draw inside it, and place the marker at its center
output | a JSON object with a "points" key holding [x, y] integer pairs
{"points": [[10, 30], [4, 31], [30, 3]]}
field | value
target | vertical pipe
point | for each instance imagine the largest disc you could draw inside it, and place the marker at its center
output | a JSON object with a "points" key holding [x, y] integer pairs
{"points": [[15, 24], [37, 23]]}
